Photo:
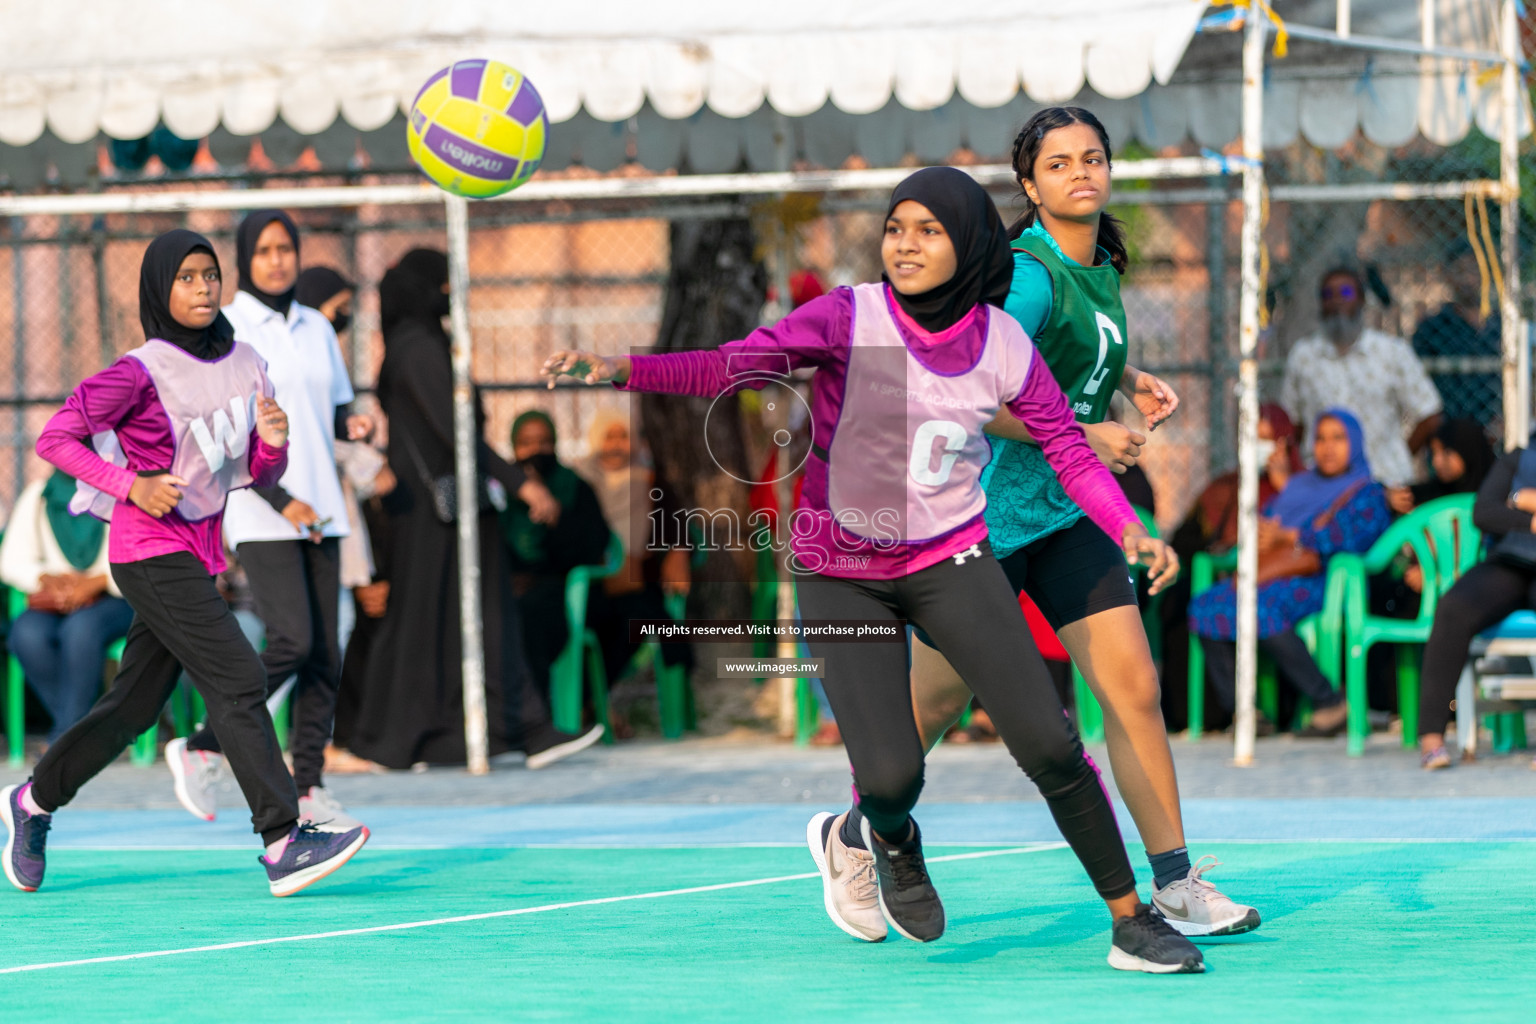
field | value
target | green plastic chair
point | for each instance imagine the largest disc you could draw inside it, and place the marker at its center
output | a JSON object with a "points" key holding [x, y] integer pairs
{"points": [[1446, 545], [582, 659], [1090, 717]]}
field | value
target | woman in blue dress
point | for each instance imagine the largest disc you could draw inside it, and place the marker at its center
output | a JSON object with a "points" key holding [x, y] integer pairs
{"points": [[1334, 507]]}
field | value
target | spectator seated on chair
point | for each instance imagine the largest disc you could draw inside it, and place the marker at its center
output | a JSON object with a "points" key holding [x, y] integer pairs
{"points": [[542, 556], [650, 571], [1211, 528], [1335, 506], [1503, 583], [1459, 458], [74, 611]]}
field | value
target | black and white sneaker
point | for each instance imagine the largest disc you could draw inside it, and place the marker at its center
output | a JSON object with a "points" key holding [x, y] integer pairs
{"points": [[907, 897], [1146, 942]]}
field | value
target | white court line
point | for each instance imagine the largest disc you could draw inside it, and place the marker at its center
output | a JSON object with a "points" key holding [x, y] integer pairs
{"points": [[409, 925]]}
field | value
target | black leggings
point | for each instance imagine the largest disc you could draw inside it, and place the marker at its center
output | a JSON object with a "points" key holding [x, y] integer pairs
{"points": [[1486, 594], [180, 621], [972, 615], [296, 585]]}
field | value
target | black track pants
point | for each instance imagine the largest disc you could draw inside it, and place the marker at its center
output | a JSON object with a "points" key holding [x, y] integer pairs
{"points": [[180, 621]]}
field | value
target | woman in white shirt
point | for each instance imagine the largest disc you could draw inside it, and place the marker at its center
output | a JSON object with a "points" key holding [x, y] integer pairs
{"points": [[74, 610], [287, 537]]}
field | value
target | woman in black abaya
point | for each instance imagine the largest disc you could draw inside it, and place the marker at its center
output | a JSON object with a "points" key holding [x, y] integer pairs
{"points": [[411, 709]]}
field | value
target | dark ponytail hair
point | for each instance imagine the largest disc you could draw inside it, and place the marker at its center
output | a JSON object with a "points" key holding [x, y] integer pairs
{"points": [[1026, 149]]}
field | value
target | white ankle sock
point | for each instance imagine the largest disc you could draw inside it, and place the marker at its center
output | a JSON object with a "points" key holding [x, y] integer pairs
{"points": [[275, 850], [29, 802]]}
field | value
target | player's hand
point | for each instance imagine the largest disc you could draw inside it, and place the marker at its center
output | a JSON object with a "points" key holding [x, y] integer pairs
{"points": [[156, 494], [1143, 549], [589, 366], [542, 506], [301, 515], [359, 427], [1151, 396], [1116, 445], [271, 422]]}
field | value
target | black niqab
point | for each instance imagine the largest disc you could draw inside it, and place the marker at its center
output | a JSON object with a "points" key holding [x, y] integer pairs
{"points": [[245, 247], [413, 290], [983, 261], [157, 275]]}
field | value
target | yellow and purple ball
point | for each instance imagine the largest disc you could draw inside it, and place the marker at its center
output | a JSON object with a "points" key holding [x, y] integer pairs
{"points": [[477, 128]]}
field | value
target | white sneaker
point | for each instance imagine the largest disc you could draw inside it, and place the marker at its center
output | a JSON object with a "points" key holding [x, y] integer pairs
{"points": [[195, 774], [849, 888], [1194, 906], [323, 811]]}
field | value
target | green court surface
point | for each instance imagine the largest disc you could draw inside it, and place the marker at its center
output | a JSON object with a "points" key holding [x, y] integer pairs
{"points": [[1354, 931]]}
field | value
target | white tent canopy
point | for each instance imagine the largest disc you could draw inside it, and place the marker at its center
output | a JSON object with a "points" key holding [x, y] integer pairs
{"points": [[120, 68], [704, 84]]}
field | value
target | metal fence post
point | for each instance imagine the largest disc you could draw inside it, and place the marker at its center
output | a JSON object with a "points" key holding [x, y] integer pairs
{"points": [[1517, 410], [1248, 398], [476, 744]]}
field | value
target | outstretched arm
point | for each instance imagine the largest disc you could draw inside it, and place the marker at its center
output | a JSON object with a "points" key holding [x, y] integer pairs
{"points": [[811, 336]]}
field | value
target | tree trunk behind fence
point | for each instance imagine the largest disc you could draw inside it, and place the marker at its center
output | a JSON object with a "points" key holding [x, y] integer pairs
{"points": [[715, 293]]}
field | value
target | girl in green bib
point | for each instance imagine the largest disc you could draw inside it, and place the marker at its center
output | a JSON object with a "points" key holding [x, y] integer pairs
{"points": [[1068, 257]]}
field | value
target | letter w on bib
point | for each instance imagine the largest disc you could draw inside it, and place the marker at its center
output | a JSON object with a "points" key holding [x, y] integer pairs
{"points": [[231, 434]]}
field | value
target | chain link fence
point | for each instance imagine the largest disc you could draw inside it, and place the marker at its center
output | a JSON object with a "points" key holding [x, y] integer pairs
{"points": [[592, 274]]}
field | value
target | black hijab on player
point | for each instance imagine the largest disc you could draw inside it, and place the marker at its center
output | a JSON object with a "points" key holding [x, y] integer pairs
{"points": [[157, 274], [245, 246], [319, 285], [983, 262]]}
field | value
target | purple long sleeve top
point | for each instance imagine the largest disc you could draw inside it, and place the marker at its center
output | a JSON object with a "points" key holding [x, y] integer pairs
{"points": [[819, 335], [122, 398]]}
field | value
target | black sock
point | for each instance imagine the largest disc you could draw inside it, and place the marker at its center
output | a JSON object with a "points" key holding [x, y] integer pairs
{"points": [[1170, 866], [851, 835]]}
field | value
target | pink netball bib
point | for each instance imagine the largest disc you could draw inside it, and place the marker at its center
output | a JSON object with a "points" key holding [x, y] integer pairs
{"points": [[211, 407], [905, 463]]}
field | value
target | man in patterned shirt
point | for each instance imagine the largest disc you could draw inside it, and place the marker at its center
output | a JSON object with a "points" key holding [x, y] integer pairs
{"points": [[1374, 375]]}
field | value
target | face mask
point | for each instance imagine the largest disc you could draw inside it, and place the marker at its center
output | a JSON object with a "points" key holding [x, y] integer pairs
{"points": [[1265, 449]]}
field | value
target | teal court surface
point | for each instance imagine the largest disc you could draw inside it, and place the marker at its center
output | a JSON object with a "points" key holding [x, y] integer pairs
{"points": [[1375, 910]]}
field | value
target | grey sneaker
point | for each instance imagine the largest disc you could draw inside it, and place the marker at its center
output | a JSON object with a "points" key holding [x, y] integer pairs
{"points": [[318, 808], [849, 889], [1194, 906], [195, 774]]}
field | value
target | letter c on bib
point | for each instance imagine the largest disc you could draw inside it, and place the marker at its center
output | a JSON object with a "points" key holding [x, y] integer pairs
{"points": [[953, 436]]}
